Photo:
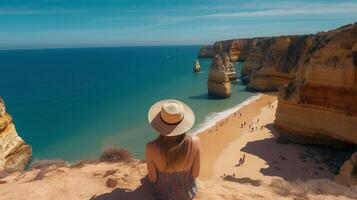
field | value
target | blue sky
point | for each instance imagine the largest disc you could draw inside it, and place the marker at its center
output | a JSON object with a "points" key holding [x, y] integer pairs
{"points": [[72, 23]]}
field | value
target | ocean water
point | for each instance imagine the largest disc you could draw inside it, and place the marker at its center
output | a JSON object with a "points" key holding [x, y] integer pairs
{"points": [[70, 103]]}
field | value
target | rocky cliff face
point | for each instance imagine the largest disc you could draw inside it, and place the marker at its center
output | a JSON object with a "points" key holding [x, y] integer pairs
{"points": [[14, 153], [320, 105], [237, 50], [206, 52], [228, 67], [218, 83], [274, 61]]}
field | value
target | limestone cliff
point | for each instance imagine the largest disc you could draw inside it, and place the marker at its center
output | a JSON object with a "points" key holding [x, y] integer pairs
{"points": [[274, 61], [320, 105], [218, 83], [206, 52], [14, 153], [237, 49], [255, 59]]}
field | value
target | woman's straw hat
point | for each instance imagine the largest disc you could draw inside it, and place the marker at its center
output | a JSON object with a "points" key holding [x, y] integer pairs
{"points": [[170, 117]]}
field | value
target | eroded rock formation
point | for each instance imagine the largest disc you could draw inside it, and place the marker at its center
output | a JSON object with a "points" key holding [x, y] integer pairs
{"points": [[237, 49], [197, 66], [206, 52], [228, 67], [218, 83], [320, 105], [274, 61], [14, 153], [348, 172]]}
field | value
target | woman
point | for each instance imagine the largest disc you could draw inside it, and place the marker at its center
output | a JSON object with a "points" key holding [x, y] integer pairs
{"points": [[173, 159]]}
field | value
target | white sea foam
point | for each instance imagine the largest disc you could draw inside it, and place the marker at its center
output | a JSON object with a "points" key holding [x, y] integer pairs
{"points": [[215, 117]]}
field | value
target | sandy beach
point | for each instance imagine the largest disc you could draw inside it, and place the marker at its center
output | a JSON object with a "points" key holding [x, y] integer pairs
{"points": [[252, 151]]}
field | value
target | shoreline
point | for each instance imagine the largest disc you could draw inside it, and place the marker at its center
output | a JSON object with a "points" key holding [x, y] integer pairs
{"points": [[224, 131], [213, 118], [225, 143]]}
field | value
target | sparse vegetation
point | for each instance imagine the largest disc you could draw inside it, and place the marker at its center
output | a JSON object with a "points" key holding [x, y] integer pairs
{"points": [[43, 164], [300, 189], [115, 154]]}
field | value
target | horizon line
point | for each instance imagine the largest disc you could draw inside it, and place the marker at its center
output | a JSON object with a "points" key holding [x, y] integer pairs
{"points": [[96, 46]]}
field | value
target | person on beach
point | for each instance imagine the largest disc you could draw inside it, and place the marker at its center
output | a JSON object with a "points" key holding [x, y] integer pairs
{"points": [[173, 158]]}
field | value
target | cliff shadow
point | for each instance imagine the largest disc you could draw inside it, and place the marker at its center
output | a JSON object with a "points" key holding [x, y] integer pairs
{"points": [[141, 192], [244, 180], [206, 96], [289, 161]]}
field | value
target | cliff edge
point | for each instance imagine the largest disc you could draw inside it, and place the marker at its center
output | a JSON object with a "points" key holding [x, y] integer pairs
{"points": [[128, 181], [14, 153]]}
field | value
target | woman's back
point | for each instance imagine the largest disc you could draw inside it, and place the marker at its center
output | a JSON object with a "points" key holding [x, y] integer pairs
{"points": [[176, 181], [153, 151], [173, 159]]}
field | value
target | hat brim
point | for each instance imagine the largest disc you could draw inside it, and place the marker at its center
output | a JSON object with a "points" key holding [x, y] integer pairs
{"points": [[170, 130]]}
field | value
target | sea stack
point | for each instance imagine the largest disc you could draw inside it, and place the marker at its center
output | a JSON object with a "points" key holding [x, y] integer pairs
{"points": [[197, 67], [228, 67], [218, 83], [14, 153]]}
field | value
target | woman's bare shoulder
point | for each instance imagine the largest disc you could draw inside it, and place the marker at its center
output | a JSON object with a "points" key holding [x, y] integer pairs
{"points": [[151, 147], [196, 141]]}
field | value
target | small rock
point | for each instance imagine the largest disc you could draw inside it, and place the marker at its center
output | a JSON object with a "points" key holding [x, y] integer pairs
{"points": [[111, 183]]}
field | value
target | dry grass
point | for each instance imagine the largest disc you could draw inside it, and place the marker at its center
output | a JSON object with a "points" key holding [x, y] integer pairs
{"points": [[300, 189], [43, 164], [115, 154]]}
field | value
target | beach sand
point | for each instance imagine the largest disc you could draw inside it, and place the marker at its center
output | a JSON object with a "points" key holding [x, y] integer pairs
{"points": [[224, 144]]}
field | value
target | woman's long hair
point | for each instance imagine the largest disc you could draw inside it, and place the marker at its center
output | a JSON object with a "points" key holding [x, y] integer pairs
{"points": [[174, 149]]}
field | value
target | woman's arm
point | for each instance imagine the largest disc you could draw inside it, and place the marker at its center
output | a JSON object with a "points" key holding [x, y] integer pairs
{"points": [[152, 171], [197, 161]]}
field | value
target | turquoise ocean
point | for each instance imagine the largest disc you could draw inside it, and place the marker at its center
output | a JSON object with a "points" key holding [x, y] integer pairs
{"points": [[70, 103]]}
